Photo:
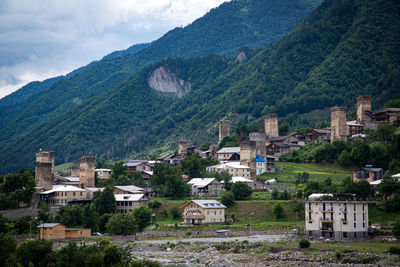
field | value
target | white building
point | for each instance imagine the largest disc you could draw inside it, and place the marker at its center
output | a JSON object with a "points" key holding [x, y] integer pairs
{"points": [[233, 168], [226, 152], [103, 173], [336, 217], [245, 180], [60, 195]]}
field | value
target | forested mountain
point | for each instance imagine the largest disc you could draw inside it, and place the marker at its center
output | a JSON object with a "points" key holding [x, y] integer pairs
{"points": [[343, 49], [223, 30]]}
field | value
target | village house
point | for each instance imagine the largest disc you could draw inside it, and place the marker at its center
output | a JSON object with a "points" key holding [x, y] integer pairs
{"points": [[206, 187], [225, 153], [368, 173], [260, 164], [126, 203], [279, 149], [60, 195], [245, 180], [318, 134], [58, 231], [138, 166], [103, 174], [66, 180], [172, 159], [233, 168], [336, 217], [292, 138], [203, 212], [354, 128]]}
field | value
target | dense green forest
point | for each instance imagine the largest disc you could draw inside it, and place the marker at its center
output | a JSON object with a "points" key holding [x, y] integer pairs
{"points": [[223, 30], [343, 49]]}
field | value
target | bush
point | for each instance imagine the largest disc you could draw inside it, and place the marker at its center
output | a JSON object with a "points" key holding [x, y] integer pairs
{"points": [[154, 204], [278, 211], [175, 212], [227, 198], [394, 250], [241, 191], [396, 230], [304, 243]]}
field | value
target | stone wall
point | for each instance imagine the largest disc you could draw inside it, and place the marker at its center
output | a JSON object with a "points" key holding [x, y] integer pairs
{"points": [[271, 125], [182, 147], [86, 171], [44, 172], [338, 124]]}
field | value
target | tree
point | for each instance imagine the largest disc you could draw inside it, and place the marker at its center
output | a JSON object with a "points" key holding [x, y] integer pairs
{"points": [[227, 198], [241, 191], [275, 194], [122, 224], [284, 129], [385, 131], [44, 214], [112, 255], [105, 201], [388, 186], [344, 159], [90, 217], [278, 211], [174, 185], [142, 216], [194, 165], [284, 195], [396, 230], [39, 252], [359, 152], [118, 169], [71, 216], [176, 212], [7, 248]]}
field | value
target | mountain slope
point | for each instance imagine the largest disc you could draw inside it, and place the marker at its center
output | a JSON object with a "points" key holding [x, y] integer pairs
{"points": [[347, 44], [223, 30]]}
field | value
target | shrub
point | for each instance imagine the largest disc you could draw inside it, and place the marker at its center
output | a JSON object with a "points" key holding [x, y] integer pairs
{"points": [[278, 211], [227, 198], [175, 212], [304, 243], [154, 204], [394, 250]]}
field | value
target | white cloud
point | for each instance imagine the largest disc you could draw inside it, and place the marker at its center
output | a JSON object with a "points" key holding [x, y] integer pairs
{"points": [[45, 38]]}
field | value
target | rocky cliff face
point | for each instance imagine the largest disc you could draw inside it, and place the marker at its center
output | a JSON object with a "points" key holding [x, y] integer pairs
{"points": [[163, 80]]}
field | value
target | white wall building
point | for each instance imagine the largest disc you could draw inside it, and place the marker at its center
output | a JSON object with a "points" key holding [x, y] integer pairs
{"points": [[336, 217]]}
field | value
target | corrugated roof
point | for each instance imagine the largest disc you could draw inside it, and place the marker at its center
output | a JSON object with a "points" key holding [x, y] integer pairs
{"points": [[47, 225], [241, 179], [201, 182], [129, 188], [128, 197], [63, 188], [234, 149], [209, 203]]}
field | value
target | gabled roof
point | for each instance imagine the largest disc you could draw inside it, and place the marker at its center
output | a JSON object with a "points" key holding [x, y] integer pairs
{"points": [[234, 149], [130, 188], [129, 197], [353, 123], [47, 225], [201, 182], [259, 158], [322, 131], [134, 163], [206, 203], [236, 179], [63, 188], [236, 165]]}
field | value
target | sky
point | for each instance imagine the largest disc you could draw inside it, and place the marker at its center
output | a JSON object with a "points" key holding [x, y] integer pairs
{"points": [[40, 39]]}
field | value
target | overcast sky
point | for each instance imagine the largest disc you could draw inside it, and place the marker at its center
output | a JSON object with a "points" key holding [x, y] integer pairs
{"points": [[45, 38]]}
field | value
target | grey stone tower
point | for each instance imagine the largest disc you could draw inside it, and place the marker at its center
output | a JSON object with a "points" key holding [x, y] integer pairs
{"points": [[224, 129], [86, 171], [44, 171]]}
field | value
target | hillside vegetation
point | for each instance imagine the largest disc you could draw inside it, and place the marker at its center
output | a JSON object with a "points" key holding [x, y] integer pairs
{"points": [[343, 49], [223, 30]]}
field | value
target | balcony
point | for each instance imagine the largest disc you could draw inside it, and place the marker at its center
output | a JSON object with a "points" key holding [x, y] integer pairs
{"points": [[330, 210], [194, 216], [344, 221]]}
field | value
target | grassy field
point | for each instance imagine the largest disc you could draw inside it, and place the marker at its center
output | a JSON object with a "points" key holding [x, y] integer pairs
{"points": [[318, 172], [63, 167], [259, 213]]}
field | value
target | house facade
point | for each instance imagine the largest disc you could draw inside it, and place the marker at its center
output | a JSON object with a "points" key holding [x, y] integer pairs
{"points": [[368, 173], [126, 203], [206, 187], [203, 212], [58, 231], [225, 153], [60, 195], [336, 217]]}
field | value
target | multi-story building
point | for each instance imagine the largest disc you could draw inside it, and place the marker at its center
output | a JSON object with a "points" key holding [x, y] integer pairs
{"points": [[126, 203], [226, 152], [203, 212], [368, 173], [336, 216], [206, 187], [60, 195], [232, 168]]}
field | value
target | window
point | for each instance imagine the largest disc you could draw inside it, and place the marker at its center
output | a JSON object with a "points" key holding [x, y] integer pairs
{"points": [[309, 216], [323, 206], [355, 225], [220, 212], [355, 217], [215, 212], [309, 206], [363, 207], [73, 193], [309, 233], [363, 216], [81, 194], [345, 207], [355, 235], [208, 212], [345, 234], [363, 224], [354, 207]]}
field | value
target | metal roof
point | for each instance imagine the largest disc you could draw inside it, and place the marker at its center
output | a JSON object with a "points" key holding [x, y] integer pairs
{"points": [[63, 188], [209, 203], [128, 197], [201, 182], [234, 149], [129, 188], [47, 225]]}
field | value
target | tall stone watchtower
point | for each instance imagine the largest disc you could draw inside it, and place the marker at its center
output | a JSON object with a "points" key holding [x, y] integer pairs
{"points": [[182, 147], [271, 125], [338, 124], [224, 129], [261, 143], [44, 171], [74, 171], [363, 104], [248, 156], [86, 171]]}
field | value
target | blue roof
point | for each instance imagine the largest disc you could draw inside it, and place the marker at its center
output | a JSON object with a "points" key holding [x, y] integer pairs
{"points": [[258, 158]]}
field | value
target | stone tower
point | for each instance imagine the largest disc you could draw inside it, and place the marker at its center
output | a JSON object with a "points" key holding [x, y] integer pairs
{"points": [[363, 104], [182, 147], [44, 172], [248, 156], [86, 171], [271, 125], [338, 124], [224, 129], [75, 171], [261, 143]]}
